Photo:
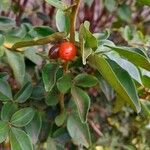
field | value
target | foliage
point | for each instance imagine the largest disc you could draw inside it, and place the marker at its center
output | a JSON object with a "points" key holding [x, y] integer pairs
{"points": [[98, 100]]}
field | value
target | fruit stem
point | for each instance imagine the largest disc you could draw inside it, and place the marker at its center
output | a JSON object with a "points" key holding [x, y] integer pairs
{"points": [[73, 17]]}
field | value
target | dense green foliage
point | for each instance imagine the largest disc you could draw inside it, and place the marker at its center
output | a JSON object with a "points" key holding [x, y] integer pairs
{"points": [[98, 100]]}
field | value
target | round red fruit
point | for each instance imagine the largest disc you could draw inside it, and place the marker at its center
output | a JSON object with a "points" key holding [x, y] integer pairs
{"points": [[67, 51]]}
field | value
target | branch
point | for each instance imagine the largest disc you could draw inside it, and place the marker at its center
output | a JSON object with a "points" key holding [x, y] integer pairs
{"points": [[73, 16]]}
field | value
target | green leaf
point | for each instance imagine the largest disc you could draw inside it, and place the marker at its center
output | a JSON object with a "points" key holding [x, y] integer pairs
{"points": [[24, 93], [19, 32], [4, 129], [5, 91], [34, 127], [60, 119], [145, 104], [102, 35], [64, 83], [41, 31], [60, 137], [31, 54], [85, 80], [62, 21], [6, 23], [22, 117], [16, 62], [49, 75], [124, 12], [87, 42], [56, 3], [136, 56], [7, 111], [128, 66], [90, 40], [78, 131], [117, 78], [82, 101], [19, 140], [127, 33], [52, 97], [110, 5], [38, 92]]}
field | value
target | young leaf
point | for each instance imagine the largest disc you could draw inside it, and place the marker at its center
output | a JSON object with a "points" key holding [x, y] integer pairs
{"points": [[16, 62], [117, 78], [82, 101], [87, 42], [22, 117], [5, 91], [19, 140], [62, 21], [85, 80], [7, 111], [78, 131], [136, 56], [34, 127], [49, 75], [64, 83], [4, 129], [24, 93]]}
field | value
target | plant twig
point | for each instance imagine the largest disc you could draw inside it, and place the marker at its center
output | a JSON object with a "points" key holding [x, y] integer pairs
{"points": [[73, 16]]}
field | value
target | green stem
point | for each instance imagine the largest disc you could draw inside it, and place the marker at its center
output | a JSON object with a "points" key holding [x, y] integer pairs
{"points": [[73, 17]]}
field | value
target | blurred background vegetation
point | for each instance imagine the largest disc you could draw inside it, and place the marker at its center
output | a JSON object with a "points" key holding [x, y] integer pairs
{"points": [[129, 23]]}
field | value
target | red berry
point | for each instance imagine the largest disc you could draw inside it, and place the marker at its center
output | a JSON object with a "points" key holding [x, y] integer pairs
{"points": [[53, 52], [67, 51]]}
